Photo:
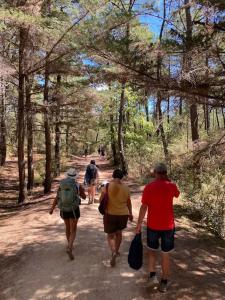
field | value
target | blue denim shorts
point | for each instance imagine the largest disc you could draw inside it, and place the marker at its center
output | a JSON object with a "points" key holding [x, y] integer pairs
{"points": [[166, 237]]}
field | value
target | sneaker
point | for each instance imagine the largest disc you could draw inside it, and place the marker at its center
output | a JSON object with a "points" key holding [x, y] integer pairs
{"points": [[152, 281], [163, 287], [113, 260]]}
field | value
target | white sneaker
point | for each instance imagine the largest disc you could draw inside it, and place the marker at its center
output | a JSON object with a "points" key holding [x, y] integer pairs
{"points": [[152, 281]]}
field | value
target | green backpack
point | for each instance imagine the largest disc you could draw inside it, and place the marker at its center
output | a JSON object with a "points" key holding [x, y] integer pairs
{"points": [[68, 195]]}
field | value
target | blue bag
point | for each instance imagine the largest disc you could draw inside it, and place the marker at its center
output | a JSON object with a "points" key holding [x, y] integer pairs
{"points": [[135, 255]]}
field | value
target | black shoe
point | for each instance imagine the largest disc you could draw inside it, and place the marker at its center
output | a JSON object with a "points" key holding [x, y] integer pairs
{"points": [[163, 287]]}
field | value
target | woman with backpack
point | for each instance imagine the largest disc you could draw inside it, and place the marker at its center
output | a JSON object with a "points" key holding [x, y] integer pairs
{"points": [[91, 179], [68, 201]]}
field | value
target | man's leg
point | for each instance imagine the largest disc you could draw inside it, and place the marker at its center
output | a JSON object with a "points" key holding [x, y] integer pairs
{"points": [[167, 245], [152, 261], [153, 245], [165, 265], [118, 241]]}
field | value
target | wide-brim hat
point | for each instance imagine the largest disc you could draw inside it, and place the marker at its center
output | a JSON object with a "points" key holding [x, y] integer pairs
{"points": [[72, 173]]}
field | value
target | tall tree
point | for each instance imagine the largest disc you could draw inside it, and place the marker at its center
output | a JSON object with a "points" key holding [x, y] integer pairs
{"points": [[188, 61], [29, 119], [57, 126], [2, 121], [23, 36]]}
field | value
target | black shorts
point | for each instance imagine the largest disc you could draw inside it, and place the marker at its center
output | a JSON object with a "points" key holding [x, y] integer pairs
{"points": [[70, 215], [166, 237], [114, 223]]}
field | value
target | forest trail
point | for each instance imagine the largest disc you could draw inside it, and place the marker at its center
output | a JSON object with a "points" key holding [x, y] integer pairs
{"points": [[34, 264]]}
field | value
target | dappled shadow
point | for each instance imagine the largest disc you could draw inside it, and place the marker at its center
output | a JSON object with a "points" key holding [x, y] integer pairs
{"points": [[40, 269], [34, 264]]}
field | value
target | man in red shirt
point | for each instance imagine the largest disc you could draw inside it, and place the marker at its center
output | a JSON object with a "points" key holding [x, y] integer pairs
{"points": [[157, 198]]}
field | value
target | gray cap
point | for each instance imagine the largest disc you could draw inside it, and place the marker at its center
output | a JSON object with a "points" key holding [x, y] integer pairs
{"points": [[160, 168], [72, 173]]}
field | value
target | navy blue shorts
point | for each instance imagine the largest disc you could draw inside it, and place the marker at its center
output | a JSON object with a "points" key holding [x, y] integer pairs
{"points": [[166, 238]]}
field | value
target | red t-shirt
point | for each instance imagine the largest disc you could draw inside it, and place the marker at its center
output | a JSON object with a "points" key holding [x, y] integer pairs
{"points": [[158, 196]]}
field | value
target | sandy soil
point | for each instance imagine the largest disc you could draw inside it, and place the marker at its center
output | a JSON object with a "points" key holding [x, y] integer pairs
{"points": [[34, 264]]}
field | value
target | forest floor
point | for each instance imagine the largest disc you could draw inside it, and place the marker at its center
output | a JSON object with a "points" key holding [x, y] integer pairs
{"points": [[34, 264]]}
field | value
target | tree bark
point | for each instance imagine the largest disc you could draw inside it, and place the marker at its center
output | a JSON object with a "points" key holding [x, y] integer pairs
{"points": [[57, 128], [20, 125], [120, 132], [3, 147], [30, 165], [47, 128]]}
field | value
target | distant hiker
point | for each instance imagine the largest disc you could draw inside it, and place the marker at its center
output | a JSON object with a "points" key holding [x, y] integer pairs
{"points": [[68, 201], [157, 199], [102, 153], [99, 151], [118, 211], [91, 179]]}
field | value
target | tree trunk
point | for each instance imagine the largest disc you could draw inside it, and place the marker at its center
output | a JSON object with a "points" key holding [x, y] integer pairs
{"points": [[67, 139], [57, 128], [222, 110], [168, 110], [206, 117], [47, 128], [217, 119], [30, 166], [20, 116], [181, 107], [147, 111], [113, 142], [194, 122], [123, 162], [161, 128], [2, 123]]}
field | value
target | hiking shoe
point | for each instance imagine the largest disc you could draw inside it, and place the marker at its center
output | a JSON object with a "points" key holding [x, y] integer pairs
{"points": [[113, 260], [70, 254], [152, 281], [163, 287]]}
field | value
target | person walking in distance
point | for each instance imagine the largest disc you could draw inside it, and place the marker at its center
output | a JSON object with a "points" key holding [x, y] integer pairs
{"points": [[91, 179], [157, 199], [118, 211], [68, 200]]}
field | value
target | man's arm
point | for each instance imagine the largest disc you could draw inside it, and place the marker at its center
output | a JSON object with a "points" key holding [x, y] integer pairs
{"points": [[142, 213]]}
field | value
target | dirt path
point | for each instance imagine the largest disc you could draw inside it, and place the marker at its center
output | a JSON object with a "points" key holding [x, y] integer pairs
{"points": [[34, 264]]}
